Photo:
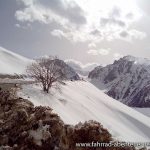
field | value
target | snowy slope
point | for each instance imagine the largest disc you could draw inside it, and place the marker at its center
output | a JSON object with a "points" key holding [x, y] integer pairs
{"points": [[145, 111], [80, 101], [11, 63]]}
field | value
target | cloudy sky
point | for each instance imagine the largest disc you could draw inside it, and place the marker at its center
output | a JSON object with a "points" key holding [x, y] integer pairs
{"points": [[88, 31]]}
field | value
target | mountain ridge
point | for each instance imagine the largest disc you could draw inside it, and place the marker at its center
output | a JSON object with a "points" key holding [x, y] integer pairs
{"points": [[126, 80]]}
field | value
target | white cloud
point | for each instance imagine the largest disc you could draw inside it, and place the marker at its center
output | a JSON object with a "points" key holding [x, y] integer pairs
{"points": [[58, 33], [144, 6], [98, 52], [114, 18], [117, 56], [83, 22], [103, 51], [31, 14], [46, 11], [131, 35], [92, 45], [137, 34], [17, 25], [23, 26], [93, 52], [74, 35]]}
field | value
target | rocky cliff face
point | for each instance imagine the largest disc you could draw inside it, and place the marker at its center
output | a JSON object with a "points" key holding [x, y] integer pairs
{"points": [[127, 80], [25, 127]]}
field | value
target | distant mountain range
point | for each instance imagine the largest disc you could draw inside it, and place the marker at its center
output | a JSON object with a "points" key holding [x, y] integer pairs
{"points": [[81, 69], [126, 80]]}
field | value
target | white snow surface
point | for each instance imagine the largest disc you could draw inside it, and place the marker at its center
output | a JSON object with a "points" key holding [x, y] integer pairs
{"points": [[145, 111], [11, 63], [82, 101]]}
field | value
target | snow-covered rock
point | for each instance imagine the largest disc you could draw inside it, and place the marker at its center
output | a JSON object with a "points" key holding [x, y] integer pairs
{"points": [[127, 80]]}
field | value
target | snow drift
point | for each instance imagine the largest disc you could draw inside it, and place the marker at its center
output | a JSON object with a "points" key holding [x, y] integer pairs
{"points": [[81, 101]]}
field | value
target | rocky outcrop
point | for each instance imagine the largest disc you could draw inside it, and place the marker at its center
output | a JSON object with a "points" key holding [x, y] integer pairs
{"points": [[126, 80], [25, 127], [83, 133]]}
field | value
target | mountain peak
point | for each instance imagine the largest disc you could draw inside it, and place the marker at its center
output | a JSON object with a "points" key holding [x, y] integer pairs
{"points": [[137, 60], [129, 57]]}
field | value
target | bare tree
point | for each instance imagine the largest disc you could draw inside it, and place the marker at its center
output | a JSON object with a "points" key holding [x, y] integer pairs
{"points": [[46, 71]]}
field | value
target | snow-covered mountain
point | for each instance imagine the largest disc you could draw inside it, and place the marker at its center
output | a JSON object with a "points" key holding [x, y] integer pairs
{"points": [[80, 68], [127, 80], [82, 101], [11, 63]]}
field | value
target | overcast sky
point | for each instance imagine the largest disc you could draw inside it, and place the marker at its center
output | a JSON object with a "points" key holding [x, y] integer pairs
{"points": [[83, 30]]}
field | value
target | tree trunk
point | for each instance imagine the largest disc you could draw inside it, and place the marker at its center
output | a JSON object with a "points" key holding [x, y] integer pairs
{"points": [[44, 89], [47, 90], [48, 87]]}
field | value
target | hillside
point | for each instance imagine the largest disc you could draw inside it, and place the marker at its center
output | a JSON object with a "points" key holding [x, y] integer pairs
{"points": [[127, 80], [25, 127], [81, 101], [11, 63]]}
